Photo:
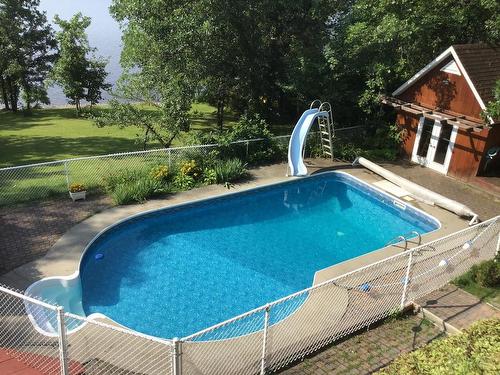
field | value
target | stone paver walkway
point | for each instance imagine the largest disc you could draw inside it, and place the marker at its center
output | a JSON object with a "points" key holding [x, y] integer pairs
{"points": [[370, 350], [457, 307]]}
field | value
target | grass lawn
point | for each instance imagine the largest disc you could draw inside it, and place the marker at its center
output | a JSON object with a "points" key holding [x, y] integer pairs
{"points": [[54, 134], [486, 294]]}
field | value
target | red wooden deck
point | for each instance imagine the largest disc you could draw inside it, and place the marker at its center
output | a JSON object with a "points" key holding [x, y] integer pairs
{"points": [[12, 366]]}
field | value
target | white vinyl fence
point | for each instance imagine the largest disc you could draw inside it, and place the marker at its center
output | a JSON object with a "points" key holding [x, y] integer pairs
{"points": [[261, 341]]}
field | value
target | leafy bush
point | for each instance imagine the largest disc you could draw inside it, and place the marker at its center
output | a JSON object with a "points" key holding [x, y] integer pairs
{"points": [[230, 170], [209, 176], [475, 351], [135, 191], [191, 168], [159, 173], [349, 152], [486, 274], [184, 181], [124, 176], [378, 142], [248, 127], [380, 154], [127, 186]]}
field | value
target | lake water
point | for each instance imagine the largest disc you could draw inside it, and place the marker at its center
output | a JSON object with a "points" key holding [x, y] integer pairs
{"points": [[104, 33]]}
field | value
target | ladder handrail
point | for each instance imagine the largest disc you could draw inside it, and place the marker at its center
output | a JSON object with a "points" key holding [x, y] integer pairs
{"points": [[417, 235], [403, 237], [327, 107], [313, 102]]}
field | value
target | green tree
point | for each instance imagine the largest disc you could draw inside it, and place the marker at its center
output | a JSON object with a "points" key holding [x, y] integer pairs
{"points": [[26, 53], [493, 108], [376, 45], [262, 56], [77, 70]]}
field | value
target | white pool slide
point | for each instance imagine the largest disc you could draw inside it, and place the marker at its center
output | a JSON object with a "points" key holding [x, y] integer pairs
{"points": [[298, 139]]}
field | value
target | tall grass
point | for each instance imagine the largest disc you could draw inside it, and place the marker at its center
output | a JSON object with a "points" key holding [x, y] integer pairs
{"points": [[230, 170]]}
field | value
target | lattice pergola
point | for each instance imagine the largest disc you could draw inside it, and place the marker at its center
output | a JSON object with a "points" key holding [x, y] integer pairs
{"points": [[462, 121]]}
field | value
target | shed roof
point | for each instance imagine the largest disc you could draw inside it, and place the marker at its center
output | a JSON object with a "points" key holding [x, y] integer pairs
{"points": [[482, 63]]}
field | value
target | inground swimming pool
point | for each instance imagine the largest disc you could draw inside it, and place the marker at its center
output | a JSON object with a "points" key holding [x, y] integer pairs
{"points": [[175, 271]]}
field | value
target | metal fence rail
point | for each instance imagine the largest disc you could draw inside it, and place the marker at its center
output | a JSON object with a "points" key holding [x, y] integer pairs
{"points": [[260, 341]]}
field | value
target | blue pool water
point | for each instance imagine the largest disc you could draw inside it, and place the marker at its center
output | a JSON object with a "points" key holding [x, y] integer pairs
{"points": [[177, 271]]}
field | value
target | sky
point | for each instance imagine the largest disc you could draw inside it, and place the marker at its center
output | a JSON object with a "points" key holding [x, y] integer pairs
{"points": [[104, 33]]}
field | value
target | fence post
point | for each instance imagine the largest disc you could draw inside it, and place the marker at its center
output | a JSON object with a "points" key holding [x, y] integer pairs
{"points": [[406, 280], [247, 143], [177, 356], [169, 159], [62, 341], [264, 341], [66, 172], [498, 245]]}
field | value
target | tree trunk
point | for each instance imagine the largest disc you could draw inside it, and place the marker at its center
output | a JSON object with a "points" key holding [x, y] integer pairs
{"points": [[220, 114], [146, 135], [5, 97], [27, 94], [77, 103], [13, 91], [28, 99]]}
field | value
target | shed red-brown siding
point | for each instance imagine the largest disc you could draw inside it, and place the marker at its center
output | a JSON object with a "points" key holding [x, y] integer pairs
{"points": [[467, 154], [447, 91], [409, 123]]}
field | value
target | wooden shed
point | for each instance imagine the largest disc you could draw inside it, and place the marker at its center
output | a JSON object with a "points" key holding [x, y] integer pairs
{"points": [[440, 109]]}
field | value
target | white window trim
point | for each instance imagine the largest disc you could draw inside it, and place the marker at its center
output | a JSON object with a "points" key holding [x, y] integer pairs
{"points": [[451, 68], [428, 160]]}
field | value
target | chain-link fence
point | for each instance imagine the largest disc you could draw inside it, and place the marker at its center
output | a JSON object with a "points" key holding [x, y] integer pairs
{"points": [[94, 348], [297, 325], [36, 182], [260, 341]]}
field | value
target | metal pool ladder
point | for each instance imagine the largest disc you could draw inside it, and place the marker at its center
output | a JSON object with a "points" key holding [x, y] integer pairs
{"points": [[326, 129], [404, 237]]}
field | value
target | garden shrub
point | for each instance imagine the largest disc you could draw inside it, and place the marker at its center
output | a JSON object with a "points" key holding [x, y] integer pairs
{"points": [[126, 186], [487, 273], [378, 142], [184, 181], [475, 351], [230, 170], [124, 176], [209, 176], [159, 173], [191, 168], [135, 191], [248, 127]]}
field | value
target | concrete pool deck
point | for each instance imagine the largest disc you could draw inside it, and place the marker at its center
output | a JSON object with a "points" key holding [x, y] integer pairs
{"points": [[63, 258]]}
